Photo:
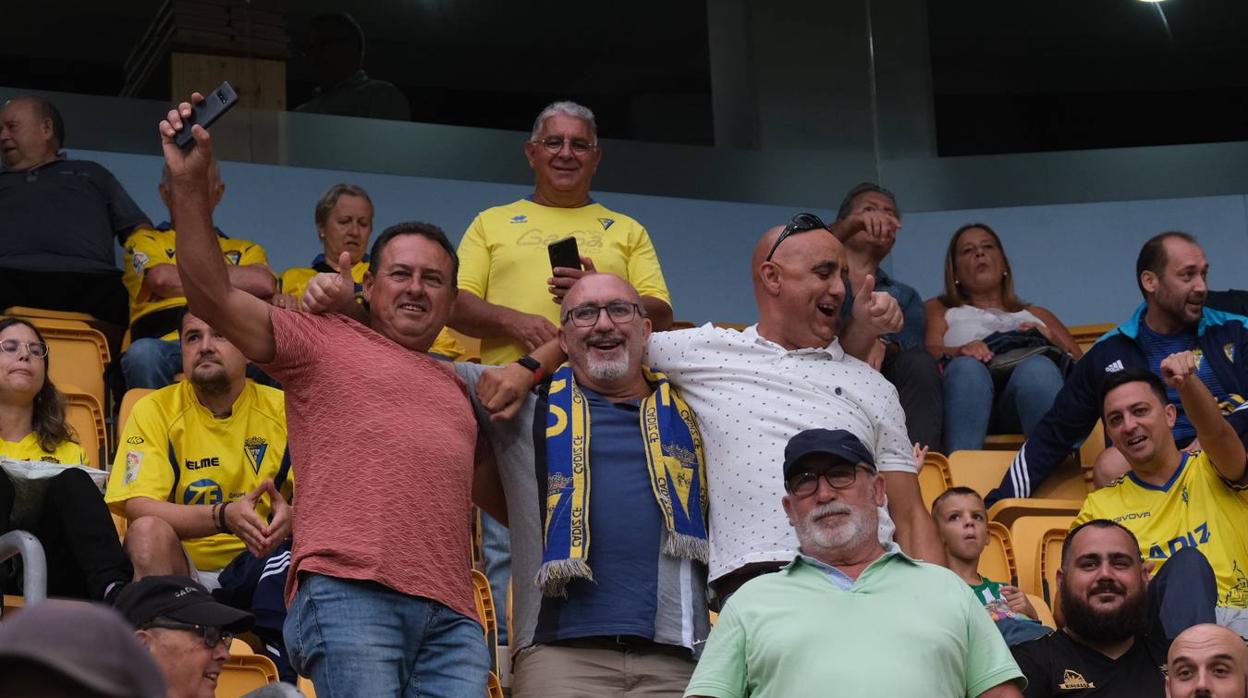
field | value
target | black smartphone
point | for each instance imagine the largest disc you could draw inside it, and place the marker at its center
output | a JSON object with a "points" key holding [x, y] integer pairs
{"points": [[206, 113], [564, 253]]}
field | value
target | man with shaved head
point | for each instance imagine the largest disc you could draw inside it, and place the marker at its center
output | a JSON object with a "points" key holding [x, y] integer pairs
{"points": [[1207, 661], [794, 370], [58, 219]]}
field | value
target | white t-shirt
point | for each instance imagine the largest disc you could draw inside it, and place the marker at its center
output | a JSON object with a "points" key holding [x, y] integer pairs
{"points": [[966, 323], [751, 396]]}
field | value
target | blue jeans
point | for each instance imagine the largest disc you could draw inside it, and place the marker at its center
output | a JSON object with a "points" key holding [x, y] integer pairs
{"points": [[358, 638], [971, 401], [151, 363]]}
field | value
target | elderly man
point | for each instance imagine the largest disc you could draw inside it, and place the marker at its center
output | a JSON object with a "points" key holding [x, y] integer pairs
{"points": [[58, 219], [867, 223], [1176, 502], [753, 390], [1106, 647], [380, 589], [1170, 271], [1207, 661], [187, 632], [626, 615], [847, 613], [156, 300]]}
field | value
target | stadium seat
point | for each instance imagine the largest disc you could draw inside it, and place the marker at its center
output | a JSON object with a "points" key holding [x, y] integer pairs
{"points": [[1051, 561], [33, 314], [86, 416], [997, 560], [1042, 610], [1006, 511], [1086, 335], [1027, 533], [244, 673], [934, 478], [484, 599], [493, 687], [12, 604], [127, 403], [1003, 442], [983, 470], [77, 355], [1092, 447]]}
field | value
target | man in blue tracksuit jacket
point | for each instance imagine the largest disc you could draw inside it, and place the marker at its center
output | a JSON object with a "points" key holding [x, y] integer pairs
{"points": [[1171, 271]]}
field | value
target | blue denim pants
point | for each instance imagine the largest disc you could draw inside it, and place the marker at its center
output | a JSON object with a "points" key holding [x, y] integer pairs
{"points": [[151, 363], [357, 638], [971, 400]]}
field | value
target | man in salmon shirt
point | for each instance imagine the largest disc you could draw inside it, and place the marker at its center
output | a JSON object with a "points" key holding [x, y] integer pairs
{"points": [[383, 441]]}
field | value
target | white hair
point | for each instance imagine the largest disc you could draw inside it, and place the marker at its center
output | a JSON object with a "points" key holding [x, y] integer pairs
{"points": [[566, 108]]}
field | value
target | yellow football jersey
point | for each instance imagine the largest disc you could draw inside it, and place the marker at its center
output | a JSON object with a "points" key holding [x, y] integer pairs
{"points": [[295, 281], [173, 449], [148, 247], [66, 453], [1197, 508], [503, 259]]}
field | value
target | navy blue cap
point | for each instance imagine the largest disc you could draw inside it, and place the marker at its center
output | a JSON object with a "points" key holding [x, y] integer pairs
{"points": [[837, 443]]}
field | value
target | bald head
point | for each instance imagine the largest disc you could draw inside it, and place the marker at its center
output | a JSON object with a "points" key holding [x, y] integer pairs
{"points": [[596, 287], [1207, 661], [799, 291], [606, 344], [31, 132]]}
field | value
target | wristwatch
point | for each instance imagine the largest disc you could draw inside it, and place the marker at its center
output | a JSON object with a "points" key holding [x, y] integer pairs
{"points": [[533, 365]]}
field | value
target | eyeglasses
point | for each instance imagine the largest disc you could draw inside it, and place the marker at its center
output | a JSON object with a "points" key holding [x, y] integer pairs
{"points": [[800, 223], [554, 144], [838, 478], [36, 349], [619, 312], [212, 635]]}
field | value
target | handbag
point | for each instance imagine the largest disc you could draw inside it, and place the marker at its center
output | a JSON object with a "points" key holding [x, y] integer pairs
{"points": [[1010, 349]]}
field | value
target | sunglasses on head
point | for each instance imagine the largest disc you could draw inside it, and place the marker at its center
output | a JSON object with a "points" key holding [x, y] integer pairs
{"points": [[800, 223]]}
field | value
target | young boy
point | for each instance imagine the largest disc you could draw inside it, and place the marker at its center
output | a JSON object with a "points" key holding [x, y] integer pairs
{"points": [[962, 522]]}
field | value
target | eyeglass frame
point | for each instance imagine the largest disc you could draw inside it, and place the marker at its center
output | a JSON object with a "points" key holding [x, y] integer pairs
{"points": [[794, 227], [46, 349], [549, 144], [637, 311], [791, 485], [223, 635]]}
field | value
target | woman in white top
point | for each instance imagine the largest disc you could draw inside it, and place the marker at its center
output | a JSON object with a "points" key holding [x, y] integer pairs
{"points": [[979, 300]]}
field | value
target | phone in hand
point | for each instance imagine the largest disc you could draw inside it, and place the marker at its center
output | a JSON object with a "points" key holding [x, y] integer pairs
{"points": [[564, 253], [207, 112]]}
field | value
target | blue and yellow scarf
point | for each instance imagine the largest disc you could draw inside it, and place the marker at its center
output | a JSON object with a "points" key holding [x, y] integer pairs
{"points": [[673, 458]]}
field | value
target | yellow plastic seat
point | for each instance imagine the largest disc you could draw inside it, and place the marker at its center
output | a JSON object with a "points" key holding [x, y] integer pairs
{"points": [[127, 403], [1092, 447], [494, 687], [997, 560], [1003, 442], [45, 314], [1042, 610], [484, 598], [85, 415], [1086, 335], [77, 355], [1007, 511], [304, 684], [244, 673], [934, 478], [1028, 535], [983, 470], [1051, 561]]}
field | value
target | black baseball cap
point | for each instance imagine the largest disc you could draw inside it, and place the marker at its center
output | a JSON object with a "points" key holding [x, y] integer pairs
{"points": [[837, 443], [181, 599]]}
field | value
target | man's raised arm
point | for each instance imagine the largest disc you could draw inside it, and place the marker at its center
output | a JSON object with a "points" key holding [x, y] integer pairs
{"points": [[240, 316], [1216, 435]]}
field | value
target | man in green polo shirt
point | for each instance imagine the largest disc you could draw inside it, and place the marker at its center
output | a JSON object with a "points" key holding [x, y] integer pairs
{"points": [[847, 615]]}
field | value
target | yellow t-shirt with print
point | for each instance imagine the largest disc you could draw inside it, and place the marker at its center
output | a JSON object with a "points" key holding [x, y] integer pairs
{"points": [[173, 449], [1197, 508], [294, 282], [148, 247], [66, 452], [503, 259]]}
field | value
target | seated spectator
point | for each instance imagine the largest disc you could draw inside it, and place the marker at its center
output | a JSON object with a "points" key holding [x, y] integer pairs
{"points": [[848, 614], [1207, 661], [197, 462], [962, 521], [336, 48], [1116, 623], [84, 557], [156, 300], [72, 649], [344, 223], [594, 619], [1177, 502], [58, 219], [1170, 272], [867, 224], [186, 631], [979, 306]]}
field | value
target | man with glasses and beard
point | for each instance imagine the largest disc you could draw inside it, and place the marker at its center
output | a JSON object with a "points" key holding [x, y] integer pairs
{"points": [[606, 511], [1171, 272], [1106, 647], [848, 614]]}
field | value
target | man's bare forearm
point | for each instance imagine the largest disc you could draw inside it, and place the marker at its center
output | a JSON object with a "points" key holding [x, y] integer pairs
{"points": [[476, 317]]}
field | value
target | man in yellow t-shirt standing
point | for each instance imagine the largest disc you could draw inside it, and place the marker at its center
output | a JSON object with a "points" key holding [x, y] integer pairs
{"points": [[510, 296], [156, 300], [1178, 503]]}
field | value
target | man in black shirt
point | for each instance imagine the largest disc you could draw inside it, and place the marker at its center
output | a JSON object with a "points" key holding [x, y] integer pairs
{"points": [[1106, 648], [58, 219]]}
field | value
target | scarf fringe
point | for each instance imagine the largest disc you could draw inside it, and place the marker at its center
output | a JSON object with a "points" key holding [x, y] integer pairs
{"points": [[553, 577], [685, 546]]}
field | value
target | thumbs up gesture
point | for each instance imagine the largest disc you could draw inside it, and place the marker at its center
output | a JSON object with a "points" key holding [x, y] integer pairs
{"points": [[878, 309], [331, 293]]}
